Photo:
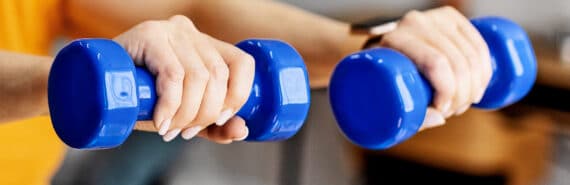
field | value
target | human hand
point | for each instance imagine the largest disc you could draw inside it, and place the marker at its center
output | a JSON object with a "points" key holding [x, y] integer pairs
{"points": [[450, 53], [199, 80]]}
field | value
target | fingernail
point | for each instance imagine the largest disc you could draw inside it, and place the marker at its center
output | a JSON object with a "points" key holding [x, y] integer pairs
{"points": [[164, 127], [478, 99], [224, 117], [244, 136], [433, 119], [462, 110], [189, 133], [226, 141], [171, 135]]}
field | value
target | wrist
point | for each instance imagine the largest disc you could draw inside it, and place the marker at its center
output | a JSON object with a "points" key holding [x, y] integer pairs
{"points": [[334, 42], [39, 85], [351, 42]]}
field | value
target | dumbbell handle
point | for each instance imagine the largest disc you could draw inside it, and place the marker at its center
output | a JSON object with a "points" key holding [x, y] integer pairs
{"points": [[145, 84]]}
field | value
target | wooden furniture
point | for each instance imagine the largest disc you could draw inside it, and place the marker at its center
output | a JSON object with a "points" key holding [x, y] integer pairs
{"points": [[485, 144]]}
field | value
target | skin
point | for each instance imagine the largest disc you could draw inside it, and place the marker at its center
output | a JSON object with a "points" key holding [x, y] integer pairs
{"points": [[202, 79], [23, 86], [449, 52]]}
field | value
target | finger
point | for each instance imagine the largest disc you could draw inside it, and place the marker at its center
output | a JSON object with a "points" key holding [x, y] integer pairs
{"points": [[431, 63], [195, 80], [474, 37], [433, 118], [461, 70], [234, 130], [163, 63], [241, 70], [468, 52], [216, 89], [216, 86]]}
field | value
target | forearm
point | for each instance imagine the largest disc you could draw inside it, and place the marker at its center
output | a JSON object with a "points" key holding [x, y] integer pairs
{"points": [[321, 41], [23, 86]]}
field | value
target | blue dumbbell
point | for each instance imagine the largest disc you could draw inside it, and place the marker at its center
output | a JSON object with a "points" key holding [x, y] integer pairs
{"points": [[379, 98], [96, 94]]}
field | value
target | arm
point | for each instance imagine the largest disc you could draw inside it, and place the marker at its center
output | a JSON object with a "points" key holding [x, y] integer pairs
{"points": [[321, 41], [24, 85]]}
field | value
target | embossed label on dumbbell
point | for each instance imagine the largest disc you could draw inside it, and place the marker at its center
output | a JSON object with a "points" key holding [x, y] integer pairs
{"points": [[293, 93], [144, 92], [121, 89]]}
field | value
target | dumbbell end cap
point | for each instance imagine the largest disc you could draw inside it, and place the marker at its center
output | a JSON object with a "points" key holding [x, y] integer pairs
{"points": [[378, 98], [514, 66], [281, 94], [92, 95]]}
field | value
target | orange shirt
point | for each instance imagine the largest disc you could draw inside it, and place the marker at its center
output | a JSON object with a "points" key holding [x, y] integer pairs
{"points": [[30, 151]]}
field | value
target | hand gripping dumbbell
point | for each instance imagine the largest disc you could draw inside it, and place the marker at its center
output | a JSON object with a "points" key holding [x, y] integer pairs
{"points": [[96, 94], [379, 98]]}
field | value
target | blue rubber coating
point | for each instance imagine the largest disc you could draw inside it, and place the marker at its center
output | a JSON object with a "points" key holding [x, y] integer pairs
{"points": [[96, 94], [379, 98]]}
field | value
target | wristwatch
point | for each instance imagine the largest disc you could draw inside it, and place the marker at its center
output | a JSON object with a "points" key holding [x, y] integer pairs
{"points": [[375, 29]]}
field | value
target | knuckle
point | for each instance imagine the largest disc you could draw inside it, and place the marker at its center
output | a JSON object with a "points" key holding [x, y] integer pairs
{"points": [[180, 18], [150, 27], [412, 17], [247, 61], [219, 71], [236, 97], [245, 58], [174, 74], [450, 9], [471, 53], [183, 21], [237, 55], [201, 74], [435, 62]]}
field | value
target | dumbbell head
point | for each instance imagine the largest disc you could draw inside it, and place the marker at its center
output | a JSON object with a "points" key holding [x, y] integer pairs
{"points": [[279, 100], [96, 94], [380, 99], [512, 58]]}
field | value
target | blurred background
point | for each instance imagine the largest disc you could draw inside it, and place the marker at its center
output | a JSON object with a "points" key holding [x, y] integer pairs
{"points": [[525, 144]]}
